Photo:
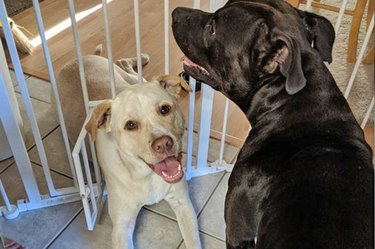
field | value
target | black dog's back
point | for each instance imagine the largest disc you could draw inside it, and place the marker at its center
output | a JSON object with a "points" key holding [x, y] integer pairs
{"points": [[320, 199]]}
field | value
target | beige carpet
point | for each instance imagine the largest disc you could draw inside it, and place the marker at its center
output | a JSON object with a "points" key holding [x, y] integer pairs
{"points": [[363, 88]]}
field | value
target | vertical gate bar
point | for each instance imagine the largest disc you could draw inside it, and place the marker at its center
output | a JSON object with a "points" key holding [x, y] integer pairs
{"points": [[81, 185], [79, 55], [81, 181], [109, 48], [360, 57], [97, 171], [341, 14], [5, 196], [190, 137], [215, 5], [6, 76], [368, 113], [224, 131], [14, 136], [112, 81], [48, 61], [308, 5], [204, 126], [77, 164], [197, 4], [87, 193], [166, 36], [25, 96], [138, 39], [89, 178], [206, 109], [5, 151]]}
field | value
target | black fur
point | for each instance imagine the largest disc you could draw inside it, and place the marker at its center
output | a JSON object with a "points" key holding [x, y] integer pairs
{"points": [[304, 177]]}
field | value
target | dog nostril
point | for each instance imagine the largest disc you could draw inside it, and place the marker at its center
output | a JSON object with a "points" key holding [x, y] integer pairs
{"points": [[169, 144], [162, 144]]}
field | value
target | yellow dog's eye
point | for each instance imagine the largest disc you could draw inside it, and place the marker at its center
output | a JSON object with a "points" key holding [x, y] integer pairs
{"points": [[165, 109], [131, 125]]}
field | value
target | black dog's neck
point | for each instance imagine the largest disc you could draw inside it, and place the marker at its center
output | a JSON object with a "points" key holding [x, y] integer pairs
{"points": [[243, 98], [307, 115], [265, 97]]}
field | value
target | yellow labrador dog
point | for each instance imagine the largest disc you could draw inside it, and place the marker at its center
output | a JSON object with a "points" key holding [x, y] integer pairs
{"points": [[138, 142], [137, 137]]}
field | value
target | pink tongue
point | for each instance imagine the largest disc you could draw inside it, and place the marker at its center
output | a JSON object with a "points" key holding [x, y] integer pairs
{"points": [[188, 61], [169, 166]]}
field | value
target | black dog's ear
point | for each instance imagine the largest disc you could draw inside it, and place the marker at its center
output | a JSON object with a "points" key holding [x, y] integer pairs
{"points": [[286, 55], [323, 34]]}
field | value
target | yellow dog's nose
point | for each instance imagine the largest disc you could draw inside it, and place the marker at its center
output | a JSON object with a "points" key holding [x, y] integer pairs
{"points": [[162, 144]]}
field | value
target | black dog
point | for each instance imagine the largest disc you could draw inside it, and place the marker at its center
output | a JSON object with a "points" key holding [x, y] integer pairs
{"points": [[304, 178]]}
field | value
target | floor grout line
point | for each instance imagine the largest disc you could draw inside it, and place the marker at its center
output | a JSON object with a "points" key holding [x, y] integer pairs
{"points": [[6, 167], [32, 146], [63, 229], [210, 196], [43, 137], [53, 170], [159, 213], [180, 244], [34, 98], [212, 236]]}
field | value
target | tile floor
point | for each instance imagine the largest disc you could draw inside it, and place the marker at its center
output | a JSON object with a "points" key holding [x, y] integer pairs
{"points": [[64, 226]]}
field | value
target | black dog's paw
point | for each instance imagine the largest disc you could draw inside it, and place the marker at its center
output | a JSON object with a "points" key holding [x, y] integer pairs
{"points": [[245, 244], [186, 77]]}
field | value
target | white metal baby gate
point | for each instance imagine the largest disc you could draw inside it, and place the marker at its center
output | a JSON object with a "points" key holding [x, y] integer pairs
{"points": [[84, 188]]}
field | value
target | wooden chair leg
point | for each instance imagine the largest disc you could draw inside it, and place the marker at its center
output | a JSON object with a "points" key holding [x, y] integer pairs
{"points": [[354, 30], [370, 11], [369, 57], [294, 3]]}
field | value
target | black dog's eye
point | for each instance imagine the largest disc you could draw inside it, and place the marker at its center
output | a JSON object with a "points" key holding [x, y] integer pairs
{"points": [[165, 109], [131, 125]]}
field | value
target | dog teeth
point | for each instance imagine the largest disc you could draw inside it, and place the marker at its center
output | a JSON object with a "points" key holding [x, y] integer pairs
{"points": [[171, 177], [202, 69]]}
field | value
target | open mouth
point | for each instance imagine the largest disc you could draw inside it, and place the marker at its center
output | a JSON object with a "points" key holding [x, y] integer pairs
{"points": [[196, 71], [169, 169]]}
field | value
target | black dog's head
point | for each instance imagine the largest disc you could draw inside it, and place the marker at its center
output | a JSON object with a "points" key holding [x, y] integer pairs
{"points": [[244, 41]]}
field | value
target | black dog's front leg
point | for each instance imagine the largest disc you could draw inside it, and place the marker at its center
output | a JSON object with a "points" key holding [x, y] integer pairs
{"points": [[240, 214], [241, 224], [250, 244]]}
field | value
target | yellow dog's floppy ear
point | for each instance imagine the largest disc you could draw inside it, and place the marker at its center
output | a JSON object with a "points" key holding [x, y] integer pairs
{"points": [[100, 117], [172, 84]]}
